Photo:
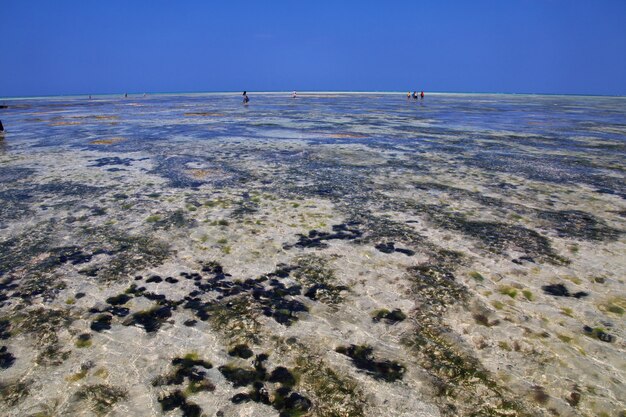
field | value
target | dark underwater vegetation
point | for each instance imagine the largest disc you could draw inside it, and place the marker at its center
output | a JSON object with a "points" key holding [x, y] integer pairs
{"points": [[330, 255]]}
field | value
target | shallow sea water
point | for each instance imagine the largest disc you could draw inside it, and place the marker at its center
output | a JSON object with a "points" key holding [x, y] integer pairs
{"points": [[330, 255]]}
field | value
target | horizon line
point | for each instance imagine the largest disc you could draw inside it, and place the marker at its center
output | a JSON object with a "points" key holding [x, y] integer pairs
{"points": [[303, 92]]}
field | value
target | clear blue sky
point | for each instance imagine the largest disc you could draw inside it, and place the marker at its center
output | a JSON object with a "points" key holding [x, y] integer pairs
{"points": [[113, 46]]}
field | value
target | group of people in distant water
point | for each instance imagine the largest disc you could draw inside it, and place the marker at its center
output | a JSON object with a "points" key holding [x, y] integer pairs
{"points": [[246, 99], [414, 95]]}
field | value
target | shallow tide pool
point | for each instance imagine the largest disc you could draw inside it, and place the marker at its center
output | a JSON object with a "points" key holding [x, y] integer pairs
{"points": [[330, 255]]}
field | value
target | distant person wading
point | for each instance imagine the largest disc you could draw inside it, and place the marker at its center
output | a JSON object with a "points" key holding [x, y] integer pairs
{"points": [[246, 99]]}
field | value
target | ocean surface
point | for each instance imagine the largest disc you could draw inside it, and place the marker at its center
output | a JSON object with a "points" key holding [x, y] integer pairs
{"points": [[329, 255]]}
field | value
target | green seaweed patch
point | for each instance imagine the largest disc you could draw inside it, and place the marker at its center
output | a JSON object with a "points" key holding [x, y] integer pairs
{"points": [[153, 218], [101, 397], [457, 376], [507, 290], [436, 285], [615, 305], [362, 357], [188, 368], [335, 394], [236, 318], [477, 276], [528, 295], [176, 219], [128, 253], [83, 341], [598, 333], [43, 325], [314, 273], [12, 393], [219, 202], [77, 376]]}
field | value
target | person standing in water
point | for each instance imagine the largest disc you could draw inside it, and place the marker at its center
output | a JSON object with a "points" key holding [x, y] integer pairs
{"points": [[1, 127], [294, 95], [415, 95], [421, 95], [408, 95], [245, 98]]}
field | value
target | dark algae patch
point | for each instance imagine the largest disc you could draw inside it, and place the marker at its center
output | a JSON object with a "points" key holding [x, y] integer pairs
{"points": [[6, 358], [150, 320], [177, 399], [362, 357], [560, 290], [390, 317], [242, 351], [101, 397], [282, 398]]}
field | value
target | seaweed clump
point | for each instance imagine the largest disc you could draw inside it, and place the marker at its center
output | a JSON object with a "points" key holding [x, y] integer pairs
{"points": [[150, 320], [599, 334], [6, 358], [316, 239], [579, 225], [334, 394], [363, 359], [178, 399], [189, 368], [44, 326], [283, 399], [319, 280], [456, 375], [560, 290], [390, 317], [102, 397]]}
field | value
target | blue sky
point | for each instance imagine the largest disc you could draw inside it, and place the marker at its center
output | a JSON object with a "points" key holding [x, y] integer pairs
{"points": [[90, 47]]}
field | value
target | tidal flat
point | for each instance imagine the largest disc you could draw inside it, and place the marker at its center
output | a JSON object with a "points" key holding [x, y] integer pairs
{"points": [[331, 255]]}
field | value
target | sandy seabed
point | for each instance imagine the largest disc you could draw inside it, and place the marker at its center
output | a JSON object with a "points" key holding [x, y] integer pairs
{"points": [[461, 255]]}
